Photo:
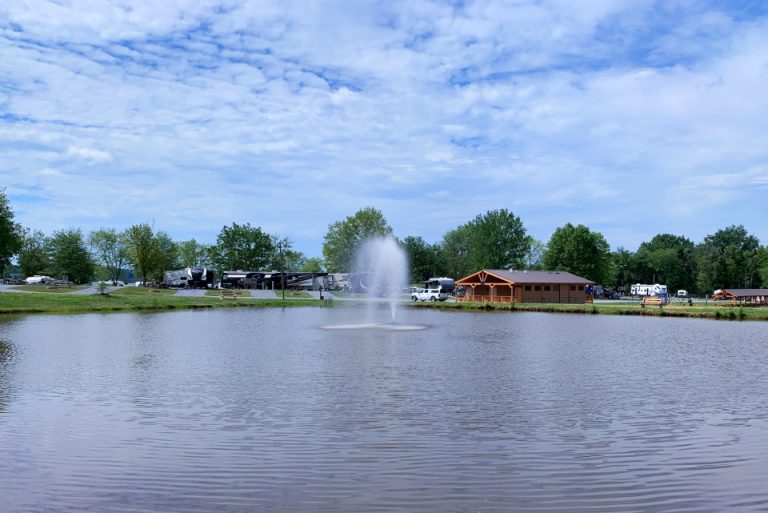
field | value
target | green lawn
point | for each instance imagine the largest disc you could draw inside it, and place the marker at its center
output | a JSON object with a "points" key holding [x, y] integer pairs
{"points": [[138, 298], [293, 294], [349, 295], [123, 300], [695, 311], [142, 291], [45, 288]]}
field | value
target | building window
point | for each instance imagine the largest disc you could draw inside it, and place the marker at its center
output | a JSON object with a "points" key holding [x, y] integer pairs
{"points": [[537, 287], [573, 287], [528, 288], [547, 288], [581, 287], [556, 287]]}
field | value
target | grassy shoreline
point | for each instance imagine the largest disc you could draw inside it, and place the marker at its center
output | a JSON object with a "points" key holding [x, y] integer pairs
{"points": [[147, 300], [42, 302], [696, 311]]}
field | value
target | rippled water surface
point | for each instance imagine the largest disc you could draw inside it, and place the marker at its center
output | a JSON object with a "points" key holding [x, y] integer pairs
{"points": [[263, 410]]}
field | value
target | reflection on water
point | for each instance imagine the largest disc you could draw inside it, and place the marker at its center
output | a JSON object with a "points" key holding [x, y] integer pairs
{"points": [[387, 326], [7, 353], [259, 410]]}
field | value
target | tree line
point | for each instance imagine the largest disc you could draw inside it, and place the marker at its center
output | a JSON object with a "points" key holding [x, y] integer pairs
{"points": [[729, 258]]}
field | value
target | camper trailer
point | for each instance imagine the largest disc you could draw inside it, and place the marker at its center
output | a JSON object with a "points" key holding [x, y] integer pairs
{"points": [[446, 285], [177, 278], [640, 289], [234, 279], [338, 281], [199, 277], [39, 280]]}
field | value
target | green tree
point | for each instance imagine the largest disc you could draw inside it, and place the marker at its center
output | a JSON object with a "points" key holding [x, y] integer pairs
{"points": [[10, 232], [667, 259], [313, 265], [728, 258], [344, 237], [423, 258], [167, 258], [455, 250], [625, 269], [284, 256], [578, 250], [69, 256], [762, 268], [242, 247], [497, 241], [534, 254], [143, 251], [109, 251], [33, 255], [193, 254]]}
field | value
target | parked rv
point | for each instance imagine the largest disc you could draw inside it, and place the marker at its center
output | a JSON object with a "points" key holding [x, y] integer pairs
{"points": [[445, 285], [39, 280], [199, 277], [639, 289]]}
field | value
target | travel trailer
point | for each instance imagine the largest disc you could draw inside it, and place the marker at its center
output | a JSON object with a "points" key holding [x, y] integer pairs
{"points": [[199, 277], [193, 277], [39, 280], [639, 289], [446, 285]]}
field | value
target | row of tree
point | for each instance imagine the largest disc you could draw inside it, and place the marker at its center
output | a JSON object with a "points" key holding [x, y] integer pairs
{"points": [[730, 257], [106, 253], [497, 239]]}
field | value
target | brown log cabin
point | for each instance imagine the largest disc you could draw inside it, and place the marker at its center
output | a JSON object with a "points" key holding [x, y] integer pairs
{"points": [[508, 286]]}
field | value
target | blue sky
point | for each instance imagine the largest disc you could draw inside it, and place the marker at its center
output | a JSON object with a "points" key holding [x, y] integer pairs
{"points": [[634, 117]]}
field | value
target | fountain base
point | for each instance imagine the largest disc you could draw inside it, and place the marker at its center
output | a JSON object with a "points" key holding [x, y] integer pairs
{"points": [[387, 326]]}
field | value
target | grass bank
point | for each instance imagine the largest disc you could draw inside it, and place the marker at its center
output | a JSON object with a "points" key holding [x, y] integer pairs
{"points": [[60, 289], [696, 311], [123, 300]]}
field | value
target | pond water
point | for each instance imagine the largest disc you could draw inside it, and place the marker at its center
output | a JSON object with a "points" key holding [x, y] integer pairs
{"points": [[244, 410]]}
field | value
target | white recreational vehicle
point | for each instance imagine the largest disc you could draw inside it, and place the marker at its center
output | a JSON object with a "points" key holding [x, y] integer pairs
{"points": [[639, 289], [39, 280]]}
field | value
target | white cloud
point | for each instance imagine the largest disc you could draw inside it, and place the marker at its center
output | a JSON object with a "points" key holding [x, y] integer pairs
{"points": [[89, 154], [320, 109]]}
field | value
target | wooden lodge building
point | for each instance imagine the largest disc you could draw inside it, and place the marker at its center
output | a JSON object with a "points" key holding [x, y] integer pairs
{"points": [[509, 286], [741, 297]]}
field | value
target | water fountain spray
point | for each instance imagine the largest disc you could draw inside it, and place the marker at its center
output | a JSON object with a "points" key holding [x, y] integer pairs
{"points": [[382, 267]]}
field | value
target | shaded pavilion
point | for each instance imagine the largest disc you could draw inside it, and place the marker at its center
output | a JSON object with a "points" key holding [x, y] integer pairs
{"points": [[741, 297], [510, 286]]}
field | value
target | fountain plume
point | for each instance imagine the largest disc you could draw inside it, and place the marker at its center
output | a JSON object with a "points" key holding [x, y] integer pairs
{"points": [[383, 269]]}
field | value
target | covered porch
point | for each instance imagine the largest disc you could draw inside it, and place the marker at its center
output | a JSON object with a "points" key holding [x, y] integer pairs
{"points": [[485, 287]]}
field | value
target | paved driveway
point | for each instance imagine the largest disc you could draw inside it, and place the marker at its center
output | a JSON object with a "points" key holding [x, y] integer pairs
{"points": [[10, 288], [190, 292]]}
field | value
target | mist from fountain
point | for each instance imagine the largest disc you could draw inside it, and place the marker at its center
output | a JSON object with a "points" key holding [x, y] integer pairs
{"points": [[383, 269]]}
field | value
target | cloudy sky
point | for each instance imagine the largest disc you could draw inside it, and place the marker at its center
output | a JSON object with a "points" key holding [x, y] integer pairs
{"points": [[634, 117]]}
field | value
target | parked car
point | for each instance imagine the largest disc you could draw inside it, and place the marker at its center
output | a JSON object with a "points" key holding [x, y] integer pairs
{"points": [[429, 295]]}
